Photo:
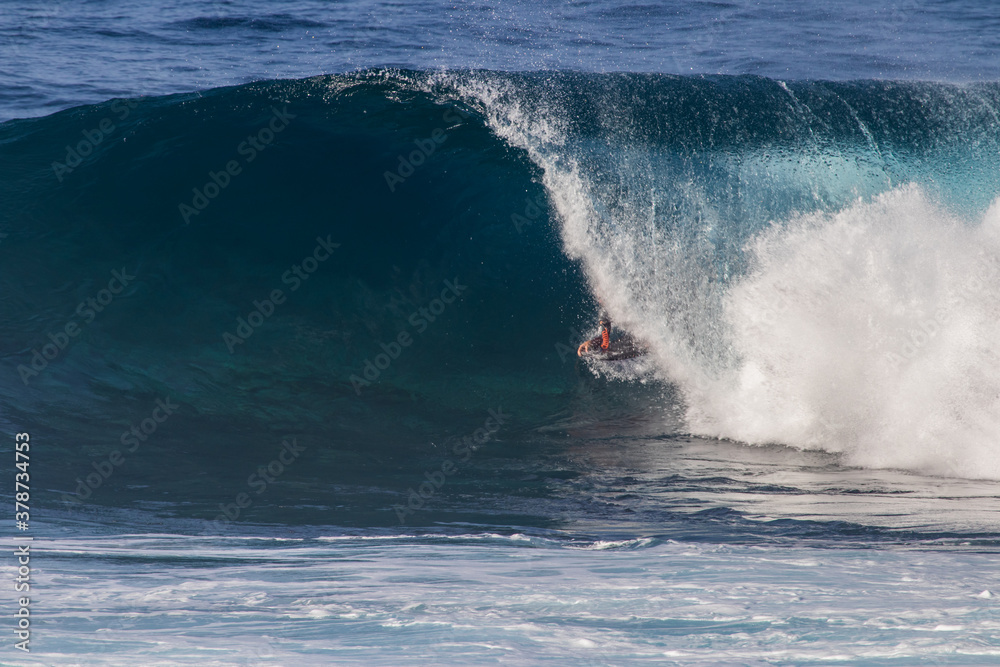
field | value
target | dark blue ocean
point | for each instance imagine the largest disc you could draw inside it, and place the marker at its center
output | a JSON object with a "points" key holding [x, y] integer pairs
{"points": [[291, 295]]}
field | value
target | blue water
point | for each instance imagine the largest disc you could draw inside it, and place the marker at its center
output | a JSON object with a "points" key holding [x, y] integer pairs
{"points": [[59, 54], [291, 296]]}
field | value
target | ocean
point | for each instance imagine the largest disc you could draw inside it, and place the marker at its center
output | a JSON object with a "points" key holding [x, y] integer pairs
{"points": [[291, 300]]}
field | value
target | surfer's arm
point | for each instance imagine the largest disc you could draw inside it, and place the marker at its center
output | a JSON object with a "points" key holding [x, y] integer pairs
{"points": [[588, 345]]}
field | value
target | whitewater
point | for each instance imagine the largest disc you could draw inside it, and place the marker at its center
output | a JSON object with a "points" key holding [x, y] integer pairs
{"points": [[293, 326], [892, 294]]}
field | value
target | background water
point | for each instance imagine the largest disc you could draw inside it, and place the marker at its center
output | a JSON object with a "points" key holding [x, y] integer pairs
{"points": [[60, 54], [399, 458]]}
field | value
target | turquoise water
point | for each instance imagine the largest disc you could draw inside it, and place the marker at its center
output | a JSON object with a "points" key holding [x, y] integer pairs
{"points": [[291, 299]]}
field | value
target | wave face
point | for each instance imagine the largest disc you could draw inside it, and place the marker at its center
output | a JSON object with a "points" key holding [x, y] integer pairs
{"points": [[812, 264]]}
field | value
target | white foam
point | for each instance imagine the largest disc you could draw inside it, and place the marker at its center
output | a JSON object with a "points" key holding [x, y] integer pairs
{"points": [[871, 332], [553, 604]]}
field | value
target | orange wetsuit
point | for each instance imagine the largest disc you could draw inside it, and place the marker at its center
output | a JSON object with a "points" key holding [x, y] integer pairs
{"points": [[602, 340]]}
